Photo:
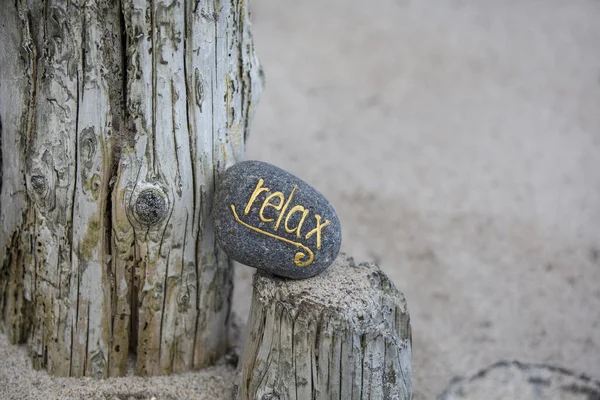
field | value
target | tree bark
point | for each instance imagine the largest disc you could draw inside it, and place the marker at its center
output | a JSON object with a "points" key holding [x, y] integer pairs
{"points": [[116, 119], [344, 334]]}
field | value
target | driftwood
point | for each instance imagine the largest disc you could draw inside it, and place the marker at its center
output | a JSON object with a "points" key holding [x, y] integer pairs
{"points": [[344, 334], [116, 119], [523, 381]]}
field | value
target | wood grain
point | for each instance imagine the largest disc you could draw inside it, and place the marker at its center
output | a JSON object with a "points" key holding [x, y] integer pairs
{"points": [[124, 113], [344, 334]]}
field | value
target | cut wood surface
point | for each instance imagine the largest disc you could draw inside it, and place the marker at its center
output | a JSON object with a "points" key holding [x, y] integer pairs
{"points": [[344, 334], [116, 119]]}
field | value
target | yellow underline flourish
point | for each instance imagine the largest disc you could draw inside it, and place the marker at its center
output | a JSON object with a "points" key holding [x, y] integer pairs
{"points": [[299, 255]]}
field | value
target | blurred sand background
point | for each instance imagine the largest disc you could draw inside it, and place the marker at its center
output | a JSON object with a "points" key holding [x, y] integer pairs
{"points": [[460, 144]]}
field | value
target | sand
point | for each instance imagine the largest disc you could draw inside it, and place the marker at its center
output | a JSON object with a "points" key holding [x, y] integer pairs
{"points": [[18, 381], [460, 144]]}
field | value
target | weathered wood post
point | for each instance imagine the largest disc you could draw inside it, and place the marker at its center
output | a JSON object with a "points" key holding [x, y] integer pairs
{"points": [[344, 334], [116, 119]]}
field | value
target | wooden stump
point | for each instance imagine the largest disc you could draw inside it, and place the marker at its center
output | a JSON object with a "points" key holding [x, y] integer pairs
{"points": [[116, 121], [344, 334]]}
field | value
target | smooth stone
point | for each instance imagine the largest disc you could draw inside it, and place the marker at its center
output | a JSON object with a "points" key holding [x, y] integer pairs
{"points": [[267, 218]]}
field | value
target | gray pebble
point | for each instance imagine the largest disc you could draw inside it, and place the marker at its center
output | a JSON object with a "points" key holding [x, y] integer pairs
{"points": [[269, 219]]}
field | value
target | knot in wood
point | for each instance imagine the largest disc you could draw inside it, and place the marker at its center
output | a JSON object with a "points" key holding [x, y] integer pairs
{"points": [[88, 146], [150, 206], [183, 300], [38, 182]]}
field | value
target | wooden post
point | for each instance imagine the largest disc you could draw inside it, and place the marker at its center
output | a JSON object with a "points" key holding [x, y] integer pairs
{"points": [[116, 118], [344, 334]]}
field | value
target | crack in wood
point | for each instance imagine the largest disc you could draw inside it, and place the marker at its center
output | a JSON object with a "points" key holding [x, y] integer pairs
{"points": [[307, 341], [95, 110]]}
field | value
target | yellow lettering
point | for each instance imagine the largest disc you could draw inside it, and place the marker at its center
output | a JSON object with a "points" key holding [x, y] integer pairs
{"points": [[267, 203], [317, 230], [298, 257], [277, 201], [287, 203], [295, 209], [255, 194]]}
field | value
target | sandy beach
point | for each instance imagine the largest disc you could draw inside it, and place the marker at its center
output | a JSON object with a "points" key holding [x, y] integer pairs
{"points": [[459, 142]]}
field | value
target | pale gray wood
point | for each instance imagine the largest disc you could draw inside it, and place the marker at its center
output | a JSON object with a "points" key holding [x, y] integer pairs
{"points": [[344, 334], [117, 118]]}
